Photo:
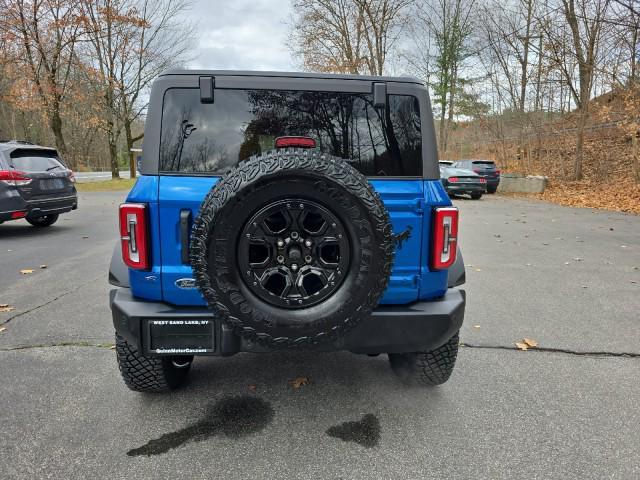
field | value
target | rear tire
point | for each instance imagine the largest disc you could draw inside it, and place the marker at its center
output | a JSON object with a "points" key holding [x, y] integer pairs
{"points": [[476, 196], [45, 221], [150, 374], [427, 368]]}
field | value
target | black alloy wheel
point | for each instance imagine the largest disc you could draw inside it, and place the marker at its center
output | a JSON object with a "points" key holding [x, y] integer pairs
{"points": [[294, 253]]}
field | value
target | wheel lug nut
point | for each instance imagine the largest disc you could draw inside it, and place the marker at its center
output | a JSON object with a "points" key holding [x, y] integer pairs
{"points": [[333, 225], [302, 205], [280, 259], [294, 235], [307, 243], [280, 243], [294, 267], [300, 301], [308, 259]]}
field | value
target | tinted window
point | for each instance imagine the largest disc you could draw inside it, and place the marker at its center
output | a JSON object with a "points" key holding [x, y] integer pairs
{"points": [[34, 161], [484, 165], [210, 138]]}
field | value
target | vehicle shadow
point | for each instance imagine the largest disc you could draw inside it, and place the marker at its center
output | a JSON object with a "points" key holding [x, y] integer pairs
{"points": [[21, 229]]}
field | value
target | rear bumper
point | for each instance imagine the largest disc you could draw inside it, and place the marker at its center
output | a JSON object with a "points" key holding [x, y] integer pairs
{"points": [[37, 208], [468, 188], [420, 326], [51, 206]]}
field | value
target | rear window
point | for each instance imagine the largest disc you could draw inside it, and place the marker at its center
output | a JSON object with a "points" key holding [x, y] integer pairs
{"points": [[485, 165], [35, 161], [200, 138]]}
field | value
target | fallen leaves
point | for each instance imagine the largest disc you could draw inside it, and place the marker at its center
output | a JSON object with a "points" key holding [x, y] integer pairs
{"points": [[2, 329], [43, 266], [476, 326], [26, 271], [5, 308], [526, 343], [298, 382]]}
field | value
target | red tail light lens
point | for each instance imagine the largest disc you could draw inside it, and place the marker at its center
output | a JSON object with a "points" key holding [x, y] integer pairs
{"points": [[72, 177], [483, 180], [497, 172], [14, 177], [453, 179], [134, 235], [299, 142], [445, 237], [15, 215]]}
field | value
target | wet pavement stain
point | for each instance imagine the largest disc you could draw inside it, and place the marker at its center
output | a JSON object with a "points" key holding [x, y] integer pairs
{"points": [[233, 417], [366, 432]]}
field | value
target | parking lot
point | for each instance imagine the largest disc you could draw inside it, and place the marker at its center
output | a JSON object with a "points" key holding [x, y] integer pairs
{"points": [[567, 278]]}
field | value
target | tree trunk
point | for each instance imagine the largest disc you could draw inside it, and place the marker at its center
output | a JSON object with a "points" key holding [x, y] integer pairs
{"points": [[129, 138], [577, 167], [443, 126], [55, 123], [113, 150]]}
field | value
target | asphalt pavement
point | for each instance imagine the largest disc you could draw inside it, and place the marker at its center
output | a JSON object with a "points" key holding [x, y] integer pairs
{"points": [[567, 278]]}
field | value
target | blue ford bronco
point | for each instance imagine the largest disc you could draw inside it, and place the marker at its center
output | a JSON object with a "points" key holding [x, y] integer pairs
{"points": [[286, 211]]}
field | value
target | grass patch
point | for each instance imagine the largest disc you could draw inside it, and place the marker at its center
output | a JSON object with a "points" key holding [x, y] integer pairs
{"points": [[106, 186]]}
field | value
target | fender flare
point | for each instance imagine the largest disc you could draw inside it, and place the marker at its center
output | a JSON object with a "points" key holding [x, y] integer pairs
{"points": [[118, 271], [457, 275]]}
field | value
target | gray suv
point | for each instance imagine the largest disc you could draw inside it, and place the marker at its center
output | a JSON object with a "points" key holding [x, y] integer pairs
{"points": [[35, 184]]}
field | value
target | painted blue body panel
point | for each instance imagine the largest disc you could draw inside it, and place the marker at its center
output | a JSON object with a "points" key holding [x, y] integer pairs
{"points": [[148, 284], [407, 201]]}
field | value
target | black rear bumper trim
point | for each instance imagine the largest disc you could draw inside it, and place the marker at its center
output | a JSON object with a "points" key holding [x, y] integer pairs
{"points": [[415, 327]]}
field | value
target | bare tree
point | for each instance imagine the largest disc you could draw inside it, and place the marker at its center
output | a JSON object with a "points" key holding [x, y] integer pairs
{"points": [[130, 43], [45, 34], [347, 36], [449, 24], [160, 41], [585, 21]]}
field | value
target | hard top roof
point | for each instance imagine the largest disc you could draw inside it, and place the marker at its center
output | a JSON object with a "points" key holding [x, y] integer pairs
{"points": [[333, 76]]}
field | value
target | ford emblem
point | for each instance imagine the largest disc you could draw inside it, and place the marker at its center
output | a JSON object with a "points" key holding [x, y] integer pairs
{"points": [[185, 283]]}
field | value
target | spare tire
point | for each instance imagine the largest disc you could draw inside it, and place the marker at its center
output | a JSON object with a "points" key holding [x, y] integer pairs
{"points": [[292, 248]]}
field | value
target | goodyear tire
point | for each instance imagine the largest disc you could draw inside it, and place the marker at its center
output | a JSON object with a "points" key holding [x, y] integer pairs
{"points": [[292, 248]]}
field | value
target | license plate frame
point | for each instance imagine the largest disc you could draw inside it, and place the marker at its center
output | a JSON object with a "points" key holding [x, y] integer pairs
{"points": [[52, 184], [180, 336]]}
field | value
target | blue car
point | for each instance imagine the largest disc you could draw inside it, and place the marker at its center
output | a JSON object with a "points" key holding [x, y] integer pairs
{"points": [[286, 211]]}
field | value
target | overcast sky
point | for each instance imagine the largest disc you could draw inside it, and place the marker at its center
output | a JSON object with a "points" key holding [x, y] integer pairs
{"points": [[241, 34]]}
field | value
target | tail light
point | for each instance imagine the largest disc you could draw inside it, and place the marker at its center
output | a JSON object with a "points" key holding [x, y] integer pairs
{"points": [[445, 237], [497, 172], [72, 177], [15, 178], [483, 180], [452, 179], [134, 235], [300, 142], [16, 215]]}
